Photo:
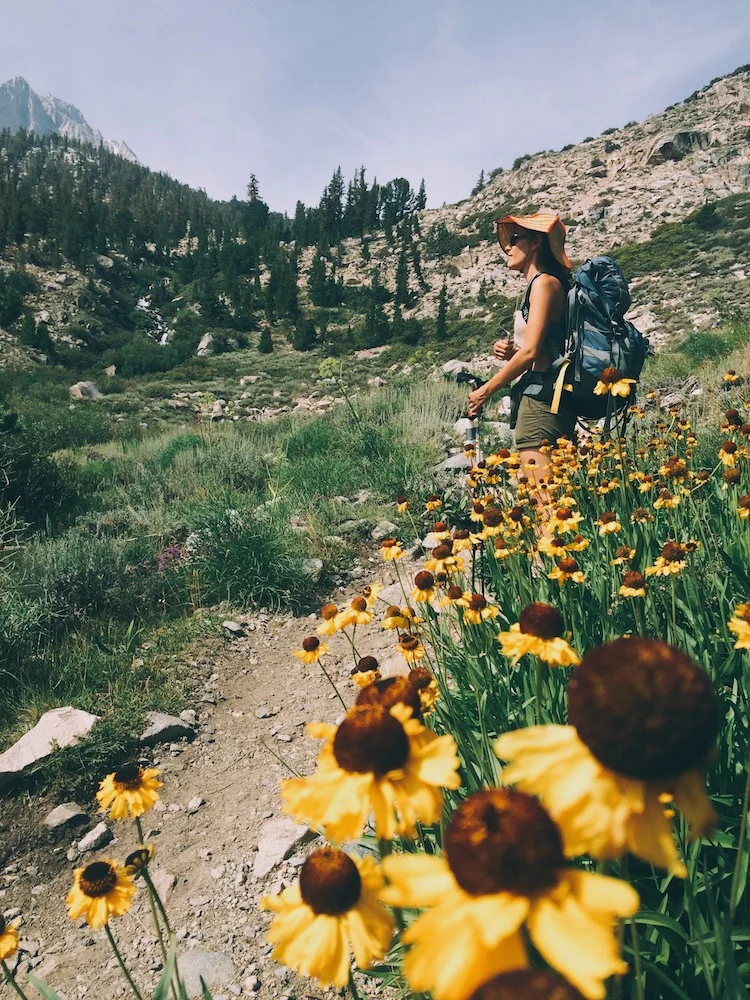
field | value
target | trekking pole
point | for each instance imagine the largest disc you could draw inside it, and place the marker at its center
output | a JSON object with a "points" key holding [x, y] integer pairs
{"points": [[472, 440]]}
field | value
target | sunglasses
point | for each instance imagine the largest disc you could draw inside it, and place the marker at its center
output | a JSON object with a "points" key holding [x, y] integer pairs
{"points": [[515, 237]]}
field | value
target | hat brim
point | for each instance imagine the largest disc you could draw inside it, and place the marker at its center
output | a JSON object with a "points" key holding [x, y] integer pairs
{"points": [[541, 222]]}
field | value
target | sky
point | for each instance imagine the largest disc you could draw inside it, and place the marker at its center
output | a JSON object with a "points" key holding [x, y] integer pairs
{"points": [[211, 91]]}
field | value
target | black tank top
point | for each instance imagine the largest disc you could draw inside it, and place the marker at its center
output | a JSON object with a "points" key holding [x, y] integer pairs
{"points": [[554, 340]]}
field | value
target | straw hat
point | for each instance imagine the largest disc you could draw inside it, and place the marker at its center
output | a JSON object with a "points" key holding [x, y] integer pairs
{"points": [[540, 222]]}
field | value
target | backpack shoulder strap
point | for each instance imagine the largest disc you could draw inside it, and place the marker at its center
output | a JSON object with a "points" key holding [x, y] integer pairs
{"points": [[527, 296]]}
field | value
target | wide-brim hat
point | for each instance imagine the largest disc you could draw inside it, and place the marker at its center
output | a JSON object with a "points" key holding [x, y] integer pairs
{"points": [[539, 222]]}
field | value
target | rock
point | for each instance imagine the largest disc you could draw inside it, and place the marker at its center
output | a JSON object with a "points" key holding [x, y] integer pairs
{"points": [[111, 370], [188, 715], [456, 463], [278, 839], [163, 728], [355, 527], [66, 814], [376, 381], [206, 345], [163, 880], [249, 379], [43, 316], [179, 404], [678, 145], [94, 839], [84, 390], [463, 426], [371, 352], [58, 728], [213, 967], [194, 805], [383, 529], [312, 568], [234, 628], [454, 366]]}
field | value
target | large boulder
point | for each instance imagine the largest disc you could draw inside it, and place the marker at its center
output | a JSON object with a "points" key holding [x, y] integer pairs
{"points": [[677, 146], [84, 390], [58, 728]]}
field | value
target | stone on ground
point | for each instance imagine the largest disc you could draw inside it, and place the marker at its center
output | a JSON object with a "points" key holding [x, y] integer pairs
{"points": [[66, 814], [58, 728], [94, 839], [279, 838], [213, 967], [163, 728]]}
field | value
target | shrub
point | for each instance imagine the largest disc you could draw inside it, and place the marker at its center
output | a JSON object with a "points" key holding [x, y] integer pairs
{"points": [[704, 345], [520, 160], [610, 146]]}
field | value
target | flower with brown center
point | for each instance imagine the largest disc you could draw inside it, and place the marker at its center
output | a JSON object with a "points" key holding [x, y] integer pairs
{"points": [[440, 531], [390, 549], [101, 890], [670, 561], [731, 477], [567, 569], [410, 648], [674, 468], [453, 595], [390, 691], [666, 499], [477, 609], [402, 504], [554, 547], [139, 860], [378, 760], [729, 453], [633, 585], [612, 383], [643, 721], [527, 984], [564, 519], [358, 613], [504, 870], [433, 502], [461, 540], [424, 587], [739, 623], [609, 523], [641, 516], [443, 560], [131, 790], [493, 521], [396, 618], [578, 544], [366, 672], [330, 615], [332, 913], [731, 377], [8, 939], [743, 506], [624, 554], [312, 649], [539, 632]]}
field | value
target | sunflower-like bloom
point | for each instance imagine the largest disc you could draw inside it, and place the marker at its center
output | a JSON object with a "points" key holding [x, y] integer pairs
{"points": [[743, 506], [666, 500], [552, 547], [101, 890], [366, 672], [477, 609], [609, 523], [739, 623], [390, 549], [728, 453], [8, 939], [129, 791], [503, 870], [461, 540], [670, 561], [424, 587], [378, 760], [332, 913], [731, 376], [641, 516], [578, 544], [633, 585], [611, 382], [139, 859], [564, 519], [443, 560], [395, 618], [410, 648], [453, 596], [601, 780], [440, 531], [624, 554], [433, 502], [567, 569], [418, 690], [312, 649], [330, 625], [370, 594], [402, 504], [527, 984], [539, 631], [356, 614]]}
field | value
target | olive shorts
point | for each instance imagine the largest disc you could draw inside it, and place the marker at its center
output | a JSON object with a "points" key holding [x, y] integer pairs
{"points": [[536, 423]]}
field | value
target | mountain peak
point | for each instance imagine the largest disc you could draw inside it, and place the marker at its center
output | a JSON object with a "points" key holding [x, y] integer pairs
{"points": [[22, 108]]}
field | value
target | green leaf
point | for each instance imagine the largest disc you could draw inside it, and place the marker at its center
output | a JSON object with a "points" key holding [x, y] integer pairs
{"points": [[45, 991], [162, 987], [652, 919]]}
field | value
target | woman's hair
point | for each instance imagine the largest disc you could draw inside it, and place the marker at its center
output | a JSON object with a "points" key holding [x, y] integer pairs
{"points": [[547, 262]]}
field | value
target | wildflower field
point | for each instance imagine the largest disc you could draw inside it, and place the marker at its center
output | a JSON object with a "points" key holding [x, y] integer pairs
{"points": [[549, 799]]}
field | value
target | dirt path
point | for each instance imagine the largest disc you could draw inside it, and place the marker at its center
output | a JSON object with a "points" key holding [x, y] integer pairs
{"points": [[255, 705]]}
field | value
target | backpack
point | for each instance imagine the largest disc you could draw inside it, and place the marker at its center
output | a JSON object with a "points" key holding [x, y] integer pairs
{"points": [[597, 337]]}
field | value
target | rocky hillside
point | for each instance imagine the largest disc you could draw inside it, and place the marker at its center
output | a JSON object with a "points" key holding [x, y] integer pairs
{"points": [[612, 191]]}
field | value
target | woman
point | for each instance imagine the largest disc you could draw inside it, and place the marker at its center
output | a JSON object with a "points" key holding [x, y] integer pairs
{"points": [[535, 246]]}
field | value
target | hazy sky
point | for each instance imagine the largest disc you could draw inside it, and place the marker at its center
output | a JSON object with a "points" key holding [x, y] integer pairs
{"points": [[212, 90]]}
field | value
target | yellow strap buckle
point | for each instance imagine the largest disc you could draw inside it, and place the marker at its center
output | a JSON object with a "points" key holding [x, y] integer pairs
{"points": [[559, 386]]}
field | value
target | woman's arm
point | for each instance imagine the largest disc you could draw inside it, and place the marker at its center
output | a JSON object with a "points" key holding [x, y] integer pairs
{"points": [[544, 302]]}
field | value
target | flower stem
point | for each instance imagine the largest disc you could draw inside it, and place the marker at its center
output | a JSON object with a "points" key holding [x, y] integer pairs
{"points": [[352, 987], [538, 691], [333, 685], [740, 846], [385, 848], [634, 943], [122, 965], [11, 981]]}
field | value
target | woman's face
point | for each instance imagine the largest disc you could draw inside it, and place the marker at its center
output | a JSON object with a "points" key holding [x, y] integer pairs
{"points": [[520, 248]]}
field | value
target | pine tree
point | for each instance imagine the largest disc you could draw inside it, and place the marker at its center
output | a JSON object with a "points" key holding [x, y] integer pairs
{"points": [[482, 296], [402, 295], [441, 328], [305, 335], [253, 193], [265, 344], [317, 282], [422, 197], [480, 184]]}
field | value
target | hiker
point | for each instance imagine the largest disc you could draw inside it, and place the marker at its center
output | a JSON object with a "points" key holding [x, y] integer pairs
{"points": [[535, 246]]}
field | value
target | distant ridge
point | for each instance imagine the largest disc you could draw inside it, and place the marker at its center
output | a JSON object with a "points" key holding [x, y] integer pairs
{"points": [[22, 108]]}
